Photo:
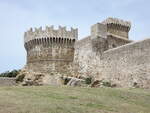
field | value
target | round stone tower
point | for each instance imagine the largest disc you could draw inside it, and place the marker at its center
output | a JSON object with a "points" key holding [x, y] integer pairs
{"points": [[50, 50]]}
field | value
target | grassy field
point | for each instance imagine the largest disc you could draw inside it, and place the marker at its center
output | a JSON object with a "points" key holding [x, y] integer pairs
{"points": [[50, 99]]}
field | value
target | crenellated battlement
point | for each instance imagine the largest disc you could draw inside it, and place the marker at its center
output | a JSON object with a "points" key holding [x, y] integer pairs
{"points": [[118, 22], [117, 27], [50, 32], [106, 54], [50, 44]]}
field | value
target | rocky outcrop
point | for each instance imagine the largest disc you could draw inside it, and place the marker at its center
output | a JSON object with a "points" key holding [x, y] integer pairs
{"points": [[27, 78], [72, 81]]}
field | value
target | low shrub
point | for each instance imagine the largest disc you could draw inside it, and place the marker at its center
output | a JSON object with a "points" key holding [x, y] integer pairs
{"points": [[106, 83], [88, 80], [66, 80]]}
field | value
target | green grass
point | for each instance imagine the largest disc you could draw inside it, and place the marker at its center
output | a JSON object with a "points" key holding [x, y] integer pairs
{"points": [[52, 99]]}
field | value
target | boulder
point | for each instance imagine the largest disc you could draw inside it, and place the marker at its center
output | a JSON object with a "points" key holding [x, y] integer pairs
{"points": [[76, 82], [33, 79]]}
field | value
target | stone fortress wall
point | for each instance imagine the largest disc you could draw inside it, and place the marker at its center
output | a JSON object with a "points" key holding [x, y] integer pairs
{"points": [[102, 38], [50, 50], [113, 57], [107, 54], [6, 81], [128, 65]]}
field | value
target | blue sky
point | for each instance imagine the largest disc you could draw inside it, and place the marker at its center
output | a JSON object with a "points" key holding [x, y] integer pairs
{"points": [[17, 16]]}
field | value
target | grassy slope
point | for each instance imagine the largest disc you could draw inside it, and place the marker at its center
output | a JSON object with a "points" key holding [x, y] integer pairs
{"points": [[50, 99]]}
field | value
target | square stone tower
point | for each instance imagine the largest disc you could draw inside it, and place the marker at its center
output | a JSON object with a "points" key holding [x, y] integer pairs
{"points": [[98, 30]]}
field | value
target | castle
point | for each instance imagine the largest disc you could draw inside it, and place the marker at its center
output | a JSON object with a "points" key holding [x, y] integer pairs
{"points": [[106, 54]]}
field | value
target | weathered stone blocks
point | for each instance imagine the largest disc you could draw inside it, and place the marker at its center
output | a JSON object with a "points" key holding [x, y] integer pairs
{"points": [[105, 55]]}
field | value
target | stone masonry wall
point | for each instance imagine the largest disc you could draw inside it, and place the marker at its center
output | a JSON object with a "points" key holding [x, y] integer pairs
{"points": [[46, 50], [104, 55], [115, 41], [125, 66], [50, 50], [128, 65], [50, 67], [48, 57], [82, 50], [85, 56], [5, 81]]}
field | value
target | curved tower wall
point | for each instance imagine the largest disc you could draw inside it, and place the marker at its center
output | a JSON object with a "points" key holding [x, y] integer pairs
{"points": [[50, 50]]}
